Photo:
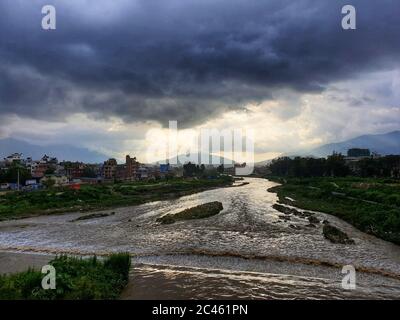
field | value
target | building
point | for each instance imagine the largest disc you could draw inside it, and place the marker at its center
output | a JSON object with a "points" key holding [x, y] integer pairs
{"points": [[109, 169], [358, 152], [354, 155], [28, 161], [86, 180], [49, 160], [5, 186], [177, 172], [39, 170], [32, 184], [132, 167], [15, 157], [231, 169], [121, 172], [59, 180], [9, 186], [75, 186], [74, 170], [60, 169], [165, 168], [42, 167], [143, 173], [31, 166]]}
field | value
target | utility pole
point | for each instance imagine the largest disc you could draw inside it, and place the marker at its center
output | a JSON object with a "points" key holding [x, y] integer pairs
{"points": [[18, 175]]}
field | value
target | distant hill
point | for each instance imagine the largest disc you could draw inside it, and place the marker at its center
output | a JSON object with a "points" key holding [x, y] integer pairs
{"points": [[384, 144], [262, 163], [62, 152], [215, 159]]}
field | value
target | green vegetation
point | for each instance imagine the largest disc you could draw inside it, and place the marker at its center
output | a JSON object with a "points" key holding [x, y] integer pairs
{"points": [[371, 205], [201, 171], [76, 279], [199, 212], [90, 197], [334, 165], [11, 175], [335, 235], [337, 166]]}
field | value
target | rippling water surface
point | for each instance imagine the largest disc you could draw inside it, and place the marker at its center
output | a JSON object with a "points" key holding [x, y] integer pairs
{"points": [[246, 251]]}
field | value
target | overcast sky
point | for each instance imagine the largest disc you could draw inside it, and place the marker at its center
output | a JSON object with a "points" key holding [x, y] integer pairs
{"points": [[113, 73]]}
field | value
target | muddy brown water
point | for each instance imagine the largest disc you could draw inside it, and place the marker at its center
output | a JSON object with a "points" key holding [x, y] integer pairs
{"points": [[246, 251]]}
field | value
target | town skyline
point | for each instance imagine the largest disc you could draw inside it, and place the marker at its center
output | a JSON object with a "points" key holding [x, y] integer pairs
{"points": [[386, 144]]}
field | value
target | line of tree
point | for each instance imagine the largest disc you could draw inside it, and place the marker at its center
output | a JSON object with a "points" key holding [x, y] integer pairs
{"points": [[336, 166], [195, 170], [11, 174], [388, 166]]}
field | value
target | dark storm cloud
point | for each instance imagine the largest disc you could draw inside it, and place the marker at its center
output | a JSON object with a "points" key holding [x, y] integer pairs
{"points": [[186, 60]]}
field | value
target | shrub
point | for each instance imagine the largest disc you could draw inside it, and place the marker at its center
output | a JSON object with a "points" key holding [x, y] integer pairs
{"points": [[199, 212], [76, 279], [121, 263]]}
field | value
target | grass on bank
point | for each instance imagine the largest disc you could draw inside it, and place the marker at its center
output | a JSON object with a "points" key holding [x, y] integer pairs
{"points": [[371, 205], [199, 212], [90, 197], [76, 279]]}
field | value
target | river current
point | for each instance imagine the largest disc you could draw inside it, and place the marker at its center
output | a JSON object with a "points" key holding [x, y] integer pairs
{"points": [[246, 251]]}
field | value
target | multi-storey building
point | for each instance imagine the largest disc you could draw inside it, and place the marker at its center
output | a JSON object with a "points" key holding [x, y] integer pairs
{"points": [[15, 157], [109, 169], [132, 167], [74, 170], [39, 170], [121, 172]]}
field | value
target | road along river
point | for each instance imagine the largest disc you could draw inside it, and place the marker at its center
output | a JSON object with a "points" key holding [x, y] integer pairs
{"points": [[246, 251]]}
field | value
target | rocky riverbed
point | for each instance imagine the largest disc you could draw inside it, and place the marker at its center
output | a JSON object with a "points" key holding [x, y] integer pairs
{"points": [[248, 245]]}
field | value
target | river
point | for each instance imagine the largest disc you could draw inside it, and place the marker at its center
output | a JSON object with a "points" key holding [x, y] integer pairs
{"points": [[245, 252]]}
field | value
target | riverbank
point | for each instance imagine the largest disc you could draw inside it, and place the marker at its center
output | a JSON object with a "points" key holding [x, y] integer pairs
{"points": [[371, 205], [246, 236], [75, 279], [103, 196], [200, 276]]}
